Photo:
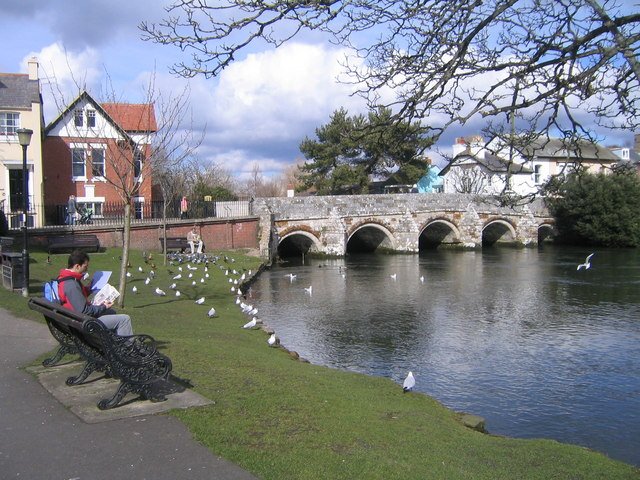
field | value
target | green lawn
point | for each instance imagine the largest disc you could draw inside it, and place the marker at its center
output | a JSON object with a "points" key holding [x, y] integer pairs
{"points": [[284, 419]]}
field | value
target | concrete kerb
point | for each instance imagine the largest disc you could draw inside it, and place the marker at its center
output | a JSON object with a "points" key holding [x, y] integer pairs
{"points": [[82, 399]]}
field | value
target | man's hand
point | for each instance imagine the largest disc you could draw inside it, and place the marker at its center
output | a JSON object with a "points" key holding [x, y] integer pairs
{"points": [[107, 304]]}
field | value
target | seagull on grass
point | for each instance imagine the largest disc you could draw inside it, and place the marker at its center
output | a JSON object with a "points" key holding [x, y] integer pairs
{"points": [[211, 313], [409, 383], [587, 264], [178, 277], [273, 340], [134, 289], [252, 323], [200, 301], [160, 292]]}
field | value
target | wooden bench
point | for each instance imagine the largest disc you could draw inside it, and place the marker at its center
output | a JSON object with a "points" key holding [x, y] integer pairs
{"points": [[73, 241], [175, 243], [134, 361]]}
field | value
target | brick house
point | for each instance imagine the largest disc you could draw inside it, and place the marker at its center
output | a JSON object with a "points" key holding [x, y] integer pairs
{"points": [[92, 148], [21, 107]]}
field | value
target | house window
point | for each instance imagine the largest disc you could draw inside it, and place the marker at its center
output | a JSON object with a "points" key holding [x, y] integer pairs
{"points": [[78, 118], [9, 123], [137, 164], [91, 118], [92, 209], [536, 173], [97, 162], [77, 163]]}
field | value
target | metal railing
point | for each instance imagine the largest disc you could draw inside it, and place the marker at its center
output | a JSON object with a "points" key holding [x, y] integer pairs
{"points": [[112, 213]]}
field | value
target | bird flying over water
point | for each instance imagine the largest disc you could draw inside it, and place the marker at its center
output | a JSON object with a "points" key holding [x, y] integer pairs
{"points": [[409, 383], [586, 264]]}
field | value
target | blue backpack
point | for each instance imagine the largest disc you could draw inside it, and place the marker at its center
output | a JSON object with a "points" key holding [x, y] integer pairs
{"points": [[51, 289]]}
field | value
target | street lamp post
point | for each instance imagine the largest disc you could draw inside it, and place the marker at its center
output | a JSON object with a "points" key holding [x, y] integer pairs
{"points": [[24, 137]]}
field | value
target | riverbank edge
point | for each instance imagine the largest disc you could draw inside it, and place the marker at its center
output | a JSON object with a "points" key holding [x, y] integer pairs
{"points": [[615, 465]]}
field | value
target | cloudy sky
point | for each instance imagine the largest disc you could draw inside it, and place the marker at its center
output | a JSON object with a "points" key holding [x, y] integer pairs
{"points": [[258, 110]]}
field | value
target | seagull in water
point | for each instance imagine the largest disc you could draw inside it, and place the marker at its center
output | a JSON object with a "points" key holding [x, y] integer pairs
{"points": [[421, 278], [291, 276], [393, 277], [409, 383], [586, 264], [309, 290]]}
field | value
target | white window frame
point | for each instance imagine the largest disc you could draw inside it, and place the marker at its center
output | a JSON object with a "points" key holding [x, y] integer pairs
{"points": [[75, 148], [7, 129], [99, 148], [78, 118], [91, 118]]}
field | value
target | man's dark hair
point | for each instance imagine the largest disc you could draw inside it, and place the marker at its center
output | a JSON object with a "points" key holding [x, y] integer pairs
{"points": [[77, 257]]}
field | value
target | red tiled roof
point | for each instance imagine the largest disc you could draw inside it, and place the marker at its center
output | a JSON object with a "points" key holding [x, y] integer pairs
{"points": [[132, 117]]}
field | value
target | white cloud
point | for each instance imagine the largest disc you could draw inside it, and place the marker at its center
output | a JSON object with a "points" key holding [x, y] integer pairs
{"points": [[64, 74]]}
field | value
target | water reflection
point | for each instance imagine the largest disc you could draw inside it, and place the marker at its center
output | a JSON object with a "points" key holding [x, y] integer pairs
{"points": [[517, 336]]}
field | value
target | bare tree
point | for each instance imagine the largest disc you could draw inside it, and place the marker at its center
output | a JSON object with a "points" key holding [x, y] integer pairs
{"points": [[451, 60]]}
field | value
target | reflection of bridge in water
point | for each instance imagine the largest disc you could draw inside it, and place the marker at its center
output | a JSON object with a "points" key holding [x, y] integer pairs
{"points": [[335, 225]]}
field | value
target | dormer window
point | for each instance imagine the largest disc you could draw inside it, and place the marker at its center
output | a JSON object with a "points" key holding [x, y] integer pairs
{"points": [[78, 118]]}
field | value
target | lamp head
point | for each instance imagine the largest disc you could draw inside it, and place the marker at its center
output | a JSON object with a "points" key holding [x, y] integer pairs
{"points": [[24, 136]]}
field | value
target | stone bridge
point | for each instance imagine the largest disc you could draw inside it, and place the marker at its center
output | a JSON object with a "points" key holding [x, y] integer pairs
{"points": [[335, 225]]}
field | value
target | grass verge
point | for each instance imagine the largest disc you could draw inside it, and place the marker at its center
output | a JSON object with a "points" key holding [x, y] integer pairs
{"points": [[284, 419]]}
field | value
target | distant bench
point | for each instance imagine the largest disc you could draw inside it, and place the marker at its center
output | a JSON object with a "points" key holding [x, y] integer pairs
{"points": [[175, 243], [73, 241], [134, 360]]}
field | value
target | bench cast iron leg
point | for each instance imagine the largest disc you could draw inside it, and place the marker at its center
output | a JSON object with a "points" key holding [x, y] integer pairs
{"points": [[62, 351], [107, 403], [88, 369]]}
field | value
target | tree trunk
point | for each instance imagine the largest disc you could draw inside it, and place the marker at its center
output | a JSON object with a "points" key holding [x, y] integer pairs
{"points": [[125, 254]]}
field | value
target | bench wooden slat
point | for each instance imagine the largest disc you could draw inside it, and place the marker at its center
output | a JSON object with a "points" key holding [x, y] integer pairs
{"points": [[175, 243], [73, 241]]}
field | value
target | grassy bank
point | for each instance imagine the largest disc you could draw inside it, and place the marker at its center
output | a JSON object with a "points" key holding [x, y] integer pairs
{"points": [[284, 419]]}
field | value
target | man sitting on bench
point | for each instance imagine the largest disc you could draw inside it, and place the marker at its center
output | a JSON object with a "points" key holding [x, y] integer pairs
{"points": [[75, 296], [193, 238]]}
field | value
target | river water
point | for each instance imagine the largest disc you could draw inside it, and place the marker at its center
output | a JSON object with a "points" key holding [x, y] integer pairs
{"points": [[519, 337]]}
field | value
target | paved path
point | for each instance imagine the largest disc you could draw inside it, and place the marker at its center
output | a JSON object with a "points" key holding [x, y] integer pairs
{"points": [[41, 439]]}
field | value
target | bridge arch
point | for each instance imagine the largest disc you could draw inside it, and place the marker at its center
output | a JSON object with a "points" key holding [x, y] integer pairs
{"points": [[297, 242], [498, 231], [437, 232], [545, 231], [369, 236]]}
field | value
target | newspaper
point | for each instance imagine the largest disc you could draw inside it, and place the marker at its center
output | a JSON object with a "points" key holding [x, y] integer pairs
{"points": [[106, 294], [100, 279]]}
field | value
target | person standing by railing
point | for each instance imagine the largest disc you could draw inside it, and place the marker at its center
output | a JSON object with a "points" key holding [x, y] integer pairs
{"points": [[72, 210], [184, 207]]}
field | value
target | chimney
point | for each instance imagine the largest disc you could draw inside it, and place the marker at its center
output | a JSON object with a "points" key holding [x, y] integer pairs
{"points": [[33, 68], [636, 145]]}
